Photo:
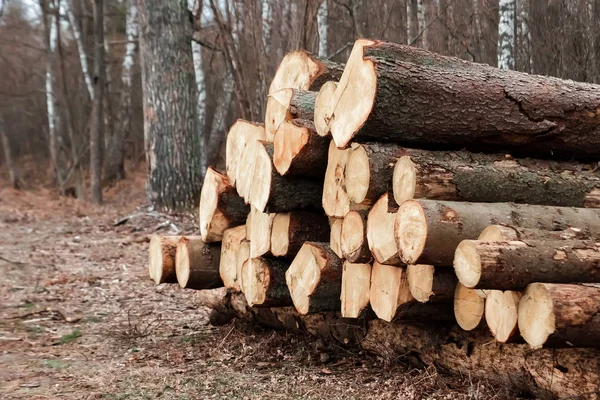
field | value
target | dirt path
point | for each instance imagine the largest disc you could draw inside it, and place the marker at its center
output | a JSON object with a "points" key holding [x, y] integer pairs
{"points": [[79, 319]]}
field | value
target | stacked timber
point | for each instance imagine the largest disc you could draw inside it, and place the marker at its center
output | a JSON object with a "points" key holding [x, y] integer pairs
{"points": [[379, 195]]}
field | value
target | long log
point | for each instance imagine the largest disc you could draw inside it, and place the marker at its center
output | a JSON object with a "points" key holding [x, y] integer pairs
{"points": [[261, 226], [263, 282], [230, 248], [428, 231], [161, 259], [240, 134], [383, 97], [299, 151], [506, 233], [356, 283], [323, 107], [557, 315], [220, 207], [197, 263], [469, 307], [301, 70], [285, 105], [431, 284], [314, 279], [380, 233], [291, 230], [355, 247], [335, 238], [272, 192], [501, 314], [514, 265]]}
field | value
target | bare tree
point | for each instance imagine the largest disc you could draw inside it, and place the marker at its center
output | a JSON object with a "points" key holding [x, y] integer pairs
{"points": [[73, 23], [12, 169], [97, 122]]}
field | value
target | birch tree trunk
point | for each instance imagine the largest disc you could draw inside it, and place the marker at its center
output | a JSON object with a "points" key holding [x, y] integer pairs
{"points": [[410, 33], [97, 128], [196, 6], [322, 27], [73, 23], [524, 34], [424, 38], [267, 25], [173, 146], [506, 34]]}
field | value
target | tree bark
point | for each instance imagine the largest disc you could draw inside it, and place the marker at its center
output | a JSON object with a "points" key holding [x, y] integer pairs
{"points": [[291, 230], [469, 307], [97, 124], [302, 70], [380, 233], [299, 151], [161, 259], [506, 233], [230, 249], [287, 104], [430, 284], [197, 263], [314, 279], [501, 316], [355, 246], [428, 231], [13, 176], [516, 264], [263, 282], [356, 284]]}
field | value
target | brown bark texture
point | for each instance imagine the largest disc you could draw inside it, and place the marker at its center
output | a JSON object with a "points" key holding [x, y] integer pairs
{"points": [[304, 226], [202, 261]]}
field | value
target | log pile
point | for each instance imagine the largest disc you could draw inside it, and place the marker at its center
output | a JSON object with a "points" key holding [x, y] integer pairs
{"points": [[436, 250]]}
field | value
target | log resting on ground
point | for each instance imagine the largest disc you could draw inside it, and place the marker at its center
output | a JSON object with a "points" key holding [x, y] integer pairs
{"points": [[469, 307], [356, 282], [263, 282], [197, 263], [161, 259], [501, 316]]}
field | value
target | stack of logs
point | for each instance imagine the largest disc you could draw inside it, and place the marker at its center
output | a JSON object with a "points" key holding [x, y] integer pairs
{"points": [[323, 209]]}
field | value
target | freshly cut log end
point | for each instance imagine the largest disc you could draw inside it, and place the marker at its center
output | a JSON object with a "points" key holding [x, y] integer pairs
{"points": [[380, 233], [263, 282], [324, 107], [467, 263], [197, 263], [301, 70], [277, 111], [314, 279], [469, 307], [356, 283], [335, 238], [260, 231], [410, 231], [404, 180], [420, 281], [560, 315], [299, 151], [230, 248], [280, 239], [358, 174], [161, 259], [388, 290], [336, 202], [501, 313], [291, 230], [220, 207], [242, 256], [355, 247], [240, 134]]}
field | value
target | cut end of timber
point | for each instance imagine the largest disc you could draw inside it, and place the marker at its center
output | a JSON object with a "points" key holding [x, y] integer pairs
{"points": [[238, 137], [303, 276], [161, 258], [467, 263], [335, 199], [297, 70], [245, 169], [335, 236], [493, 233], [388, 290], [241, 257], [255, 281], [278, 104], [353, 234], [324, 105], [404, 181], [358, 174], [260, 228], [468, 307], [155, 258], [230, 248], [354, 96], [288, 142], [212, 222], [420, 281], [260, 189], [501, 309], [182, 263], [356, 284], [536, 315], [410, 231], [280, 237], [380, 232]]}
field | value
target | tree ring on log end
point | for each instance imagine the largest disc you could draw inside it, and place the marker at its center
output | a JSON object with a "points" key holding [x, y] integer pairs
{"points": [[492, 233], [358, 174], [289, 140], [467, 263], [353, 233], [280, 238], [404, 179], [155, 259], [303, 276], [536, 315], [212, 221], [324, 105], [420, 281], [501, 313], [182, 263], [297, 70], [468, 307], [410, 231]]}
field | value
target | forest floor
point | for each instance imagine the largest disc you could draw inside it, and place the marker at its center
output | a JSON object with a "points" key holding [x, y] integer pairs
{"points": [[79, 319]]}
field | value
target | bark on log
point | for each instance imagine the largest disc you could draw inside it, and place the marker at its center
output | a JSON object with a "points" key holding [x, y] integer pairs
{"points": [[240, 134], [220, 207], [514, 265], [272, 192], [464, 176], [299, 151], [291, 230], [355, 247], [429, 231], [507, 233], [556, 315], [261, 226], [469, 307], [197, 263], [285, 105], [356, 283], [263, 282], [382, 97], [301, 70], [230, 248], [314, 279], [501, 314], [380, 233], [335, 238], [323, 108], [161, 259], [431, 284]]}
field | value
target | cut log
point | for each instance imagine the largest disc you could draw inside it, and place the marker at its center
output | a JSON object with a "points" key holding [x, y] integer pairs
{"points": [[355, 247], [240, 134], [301, 70], [272, 192], [501, 316], [469, 307], [335, 238], [285, 105], [245, 169], [463, 176], [263, 282], [380, 233], [356, 283], [336, 202], [506, 233], [242, 256], [560, 315], [323, 107], [197, 263], [431, 284], [220, 207], [429, 231], [260, 232], [388, 290], [230, 248], [299, 151], [514, 265], [291, 230], [161, 259], [314, 279], [383, 97]]}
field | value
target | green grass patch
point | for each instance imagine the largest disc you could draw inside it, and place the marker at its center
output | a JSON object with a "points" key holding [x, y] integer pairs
{"points": [[70, 337]]}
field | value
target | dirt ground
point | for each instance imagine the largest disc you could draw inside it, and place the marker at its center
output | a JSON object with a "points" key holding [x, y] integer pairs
{"points": [[79, 319]]}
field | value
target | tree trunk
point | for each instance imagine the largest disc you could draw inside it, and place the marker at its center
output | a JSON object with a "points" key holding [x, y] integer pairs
{"points": [[161, 259], [501, 314], [97, 124], [299, 151], [356, 283], [230, 249], [173, 146], [263, 282], [240, 135], [355, 246], [13, 176], [380, 232], [291, 230], [469, 307], [197, 263], [220, 207], [335, 237], [74, 24], [287, 104], [428, 231], [301, 70], [324, 107], [560, 315], [322, 27], [314, 279], [499, 110], [430, 284], [516, 264], [506, 34], [463, 176], [261, 226]]}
